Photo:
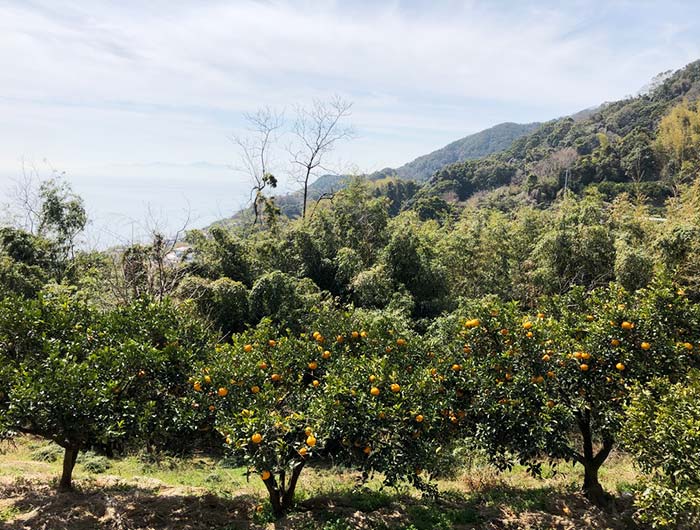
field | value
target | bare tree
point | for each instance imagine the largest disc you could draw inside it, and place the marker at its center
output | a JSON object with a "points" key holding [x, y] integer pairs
{"points": [[254, 150], [317, 129]]}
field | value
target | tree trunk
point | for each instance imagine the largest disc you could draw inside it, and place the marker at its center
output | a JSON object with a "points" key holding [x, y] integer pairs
{"points": [[70, 455], [591, 462], [281, 495]]}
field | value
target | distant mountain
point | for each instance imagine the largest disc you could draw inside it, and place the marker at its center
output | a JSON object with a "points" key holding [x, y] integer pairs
{"points": [[481, 144]]}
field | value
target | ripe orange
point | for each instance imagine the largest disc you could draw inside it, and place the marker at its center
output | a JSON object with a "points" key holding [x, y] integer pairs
{"points": [[546, 358], [262, 365], [207, 379], [212, 408], [223, 392], [248, 348], [315, 383], [473, 323], [303, 451], [550, 374], [374, 391], [620, 366], [272, 343], [339, 339], [529, 334], [419, 418], [311, 440], [590, 318], [627, 325], [550, 403], [527, 325], [367, 450], [401, 342], [308, 431], [326, 354], [645, 345], [265, 475], [276, 378], [688, 346], [615, 342], [355, 334], [256, 438], [197, 386], [540, 315], [395, 387], [584, 367], [313, 365], [363, 334], [255, 389], [456, 367], [585, 356]]}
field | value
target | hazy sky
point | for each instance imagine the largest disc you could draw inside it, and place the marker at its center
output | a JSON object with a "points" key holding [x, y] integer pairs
{"points": [[137, 100]]}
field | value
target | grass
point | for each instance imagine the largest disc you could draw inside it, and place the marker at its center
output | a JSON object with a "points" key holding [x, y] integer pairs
{"points": [[215, 495]]}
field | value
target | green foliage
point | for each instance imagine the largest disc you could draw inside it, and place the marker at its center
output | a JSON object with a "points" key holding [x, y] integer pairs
{"points": [[662, 431], [283, 298]]}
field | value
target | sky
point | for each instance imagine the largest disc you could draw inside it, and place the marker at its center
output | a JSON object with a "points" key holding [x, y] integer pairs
{"points": [[137, 102]]}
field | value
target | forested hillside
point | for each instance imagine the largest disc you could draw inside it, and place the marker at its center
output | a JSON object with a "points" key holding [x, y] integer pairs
{"points": [[532, 309]]}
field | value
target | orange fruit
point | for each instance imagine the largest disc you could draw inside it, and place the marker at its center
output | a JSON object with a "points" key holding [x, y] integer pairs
{"points": [[546, 358], [255, 389], [276, 378], [223, 392], [197, 386], [688, 346], [419, 418], [527, 325], [303, 451], [550, 403], [256, 438], [262, 365], [372, 378], [401, 342], [272, 343], [265, 475], [207, 379], [326, 354], [584, 367], [311, 440], [550, 374], [615, 342], [367, 450], [627, 325], [540, 315], [363, 334], [620, 366], [212, 408], [339, 339], [645, 345], [355, 334], [395, 387], [248, 348], [456, 367], [313, 365], [315, 383], [374, 391]]}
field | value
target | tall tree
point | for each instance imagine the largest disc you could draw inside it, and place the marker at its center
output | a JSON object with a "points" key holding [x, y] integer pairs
{"points": [[317, 129], [254, 150]]}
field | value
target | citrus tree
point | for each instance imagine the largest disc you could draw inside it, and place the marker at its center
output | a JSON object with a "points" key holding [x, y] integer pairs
{"points": [[87, 379], [538, 378], [662, 432], [350, 388]]}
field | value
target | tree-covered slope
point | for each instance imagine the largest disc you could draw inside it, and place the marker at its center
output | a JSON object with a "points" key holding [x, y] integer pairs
{"points": [[614, 148], [481, 144]]}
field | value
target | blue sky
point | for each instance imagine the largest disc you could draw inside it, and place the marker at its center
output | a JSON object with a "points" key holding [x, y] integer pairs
{"points": [[137, 101]]}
